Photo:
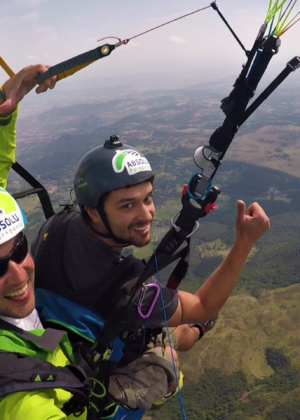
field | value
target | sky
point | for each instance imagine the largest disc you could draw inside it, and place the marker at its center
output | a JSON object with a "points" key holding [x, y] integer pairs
{"points": [[197, 49]]}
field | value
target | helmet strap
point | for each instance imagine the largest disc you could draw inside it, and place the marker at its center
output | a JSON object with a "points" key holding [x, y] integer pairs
{"points": [[97, 232], [105, 221]]}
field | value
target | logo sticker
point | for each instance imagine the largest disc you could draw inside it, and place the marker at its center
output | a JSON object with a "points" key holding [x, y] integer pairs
{"points": [[12, 219], [130, 159], [81, 183], [10, 225]]}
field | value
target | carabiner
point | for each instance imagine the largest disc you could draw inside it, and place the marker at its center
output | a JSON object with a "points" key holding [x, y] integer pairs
{"points": [[144, 290]]}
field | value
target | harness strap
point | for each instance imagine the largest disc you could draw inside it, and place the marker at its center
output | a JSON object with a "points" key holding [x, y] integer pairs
{"points": [[37, 188], [291, 66], [20, 372], [44, 246], [48, 341]]}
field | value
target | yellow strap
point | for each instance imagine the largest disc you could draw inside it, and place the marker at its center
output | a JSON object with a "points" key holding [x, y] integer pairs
{"points": [[60, 76], [70, 72], [9, 72], [6, 68]]}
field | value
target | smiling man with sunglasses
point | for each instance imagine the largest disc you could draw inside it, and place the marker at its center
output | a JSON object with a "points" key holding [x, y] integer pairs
{"points": [[16, 265], [35, 379], [28, 379]]}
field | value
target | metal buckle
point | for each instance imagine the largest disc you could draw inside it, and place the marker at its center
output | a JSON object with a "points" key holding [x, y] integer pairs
{"points": [[177, 228], [294, 63]]}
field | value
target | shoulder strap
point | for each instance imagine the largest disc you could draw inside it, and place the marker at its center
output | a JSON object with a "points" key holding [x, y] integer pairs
{"points": [[117, 318], [48, 341], [118, 279], [24, 373], [20, 372], [46, 238]]}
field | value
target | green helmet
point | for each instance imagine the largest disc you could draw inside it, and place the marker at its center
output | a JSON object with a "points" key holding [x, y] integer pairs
{"points": [[107, 168]]}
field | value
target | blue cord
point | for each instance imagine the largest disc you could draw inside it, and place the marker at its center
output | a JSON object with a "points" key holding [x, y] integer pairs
{"points": [[169, 339], [271, 27], [259, 53]]}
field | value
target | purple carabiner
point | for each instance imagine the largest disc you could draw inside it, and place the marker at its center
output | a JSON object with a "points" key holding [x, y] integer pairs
{"points": [[144, 290]]}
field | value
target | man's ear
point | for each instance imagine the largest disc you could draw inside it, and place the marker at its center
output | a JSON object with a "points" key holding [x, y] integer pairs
{"points": [[93, 214]]}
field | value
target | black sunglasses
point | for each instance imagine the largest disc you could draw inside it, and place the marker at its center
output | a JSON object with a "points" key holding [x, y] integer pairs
{"points": [[17, 255]]}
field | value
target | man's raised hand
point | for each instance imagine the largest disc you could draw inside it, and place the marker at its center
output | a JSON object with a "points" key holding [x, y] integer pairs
{"points": [[21, 83], [251, 223]]}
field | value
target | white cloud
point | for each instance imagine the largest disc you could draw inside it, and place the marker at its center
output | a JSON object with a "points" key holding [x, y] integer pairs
{"points": [[29, 17], [30, 57], [176, 39]]}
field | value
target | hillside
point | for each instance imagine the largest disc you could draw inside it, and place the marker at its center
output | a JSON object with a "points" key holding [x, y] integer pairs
{"points": [[227, 375]]}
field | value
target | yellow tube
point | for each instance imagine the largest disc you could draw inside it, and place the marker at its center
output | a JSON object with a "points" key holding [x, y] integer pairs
{"points": [[6, 68]]}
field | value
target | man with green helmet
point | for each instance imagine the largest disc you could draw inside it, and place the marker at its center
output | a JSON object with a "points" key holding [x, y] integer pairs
{"points": [[113, 187], [37, 380], [110, 169]]}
